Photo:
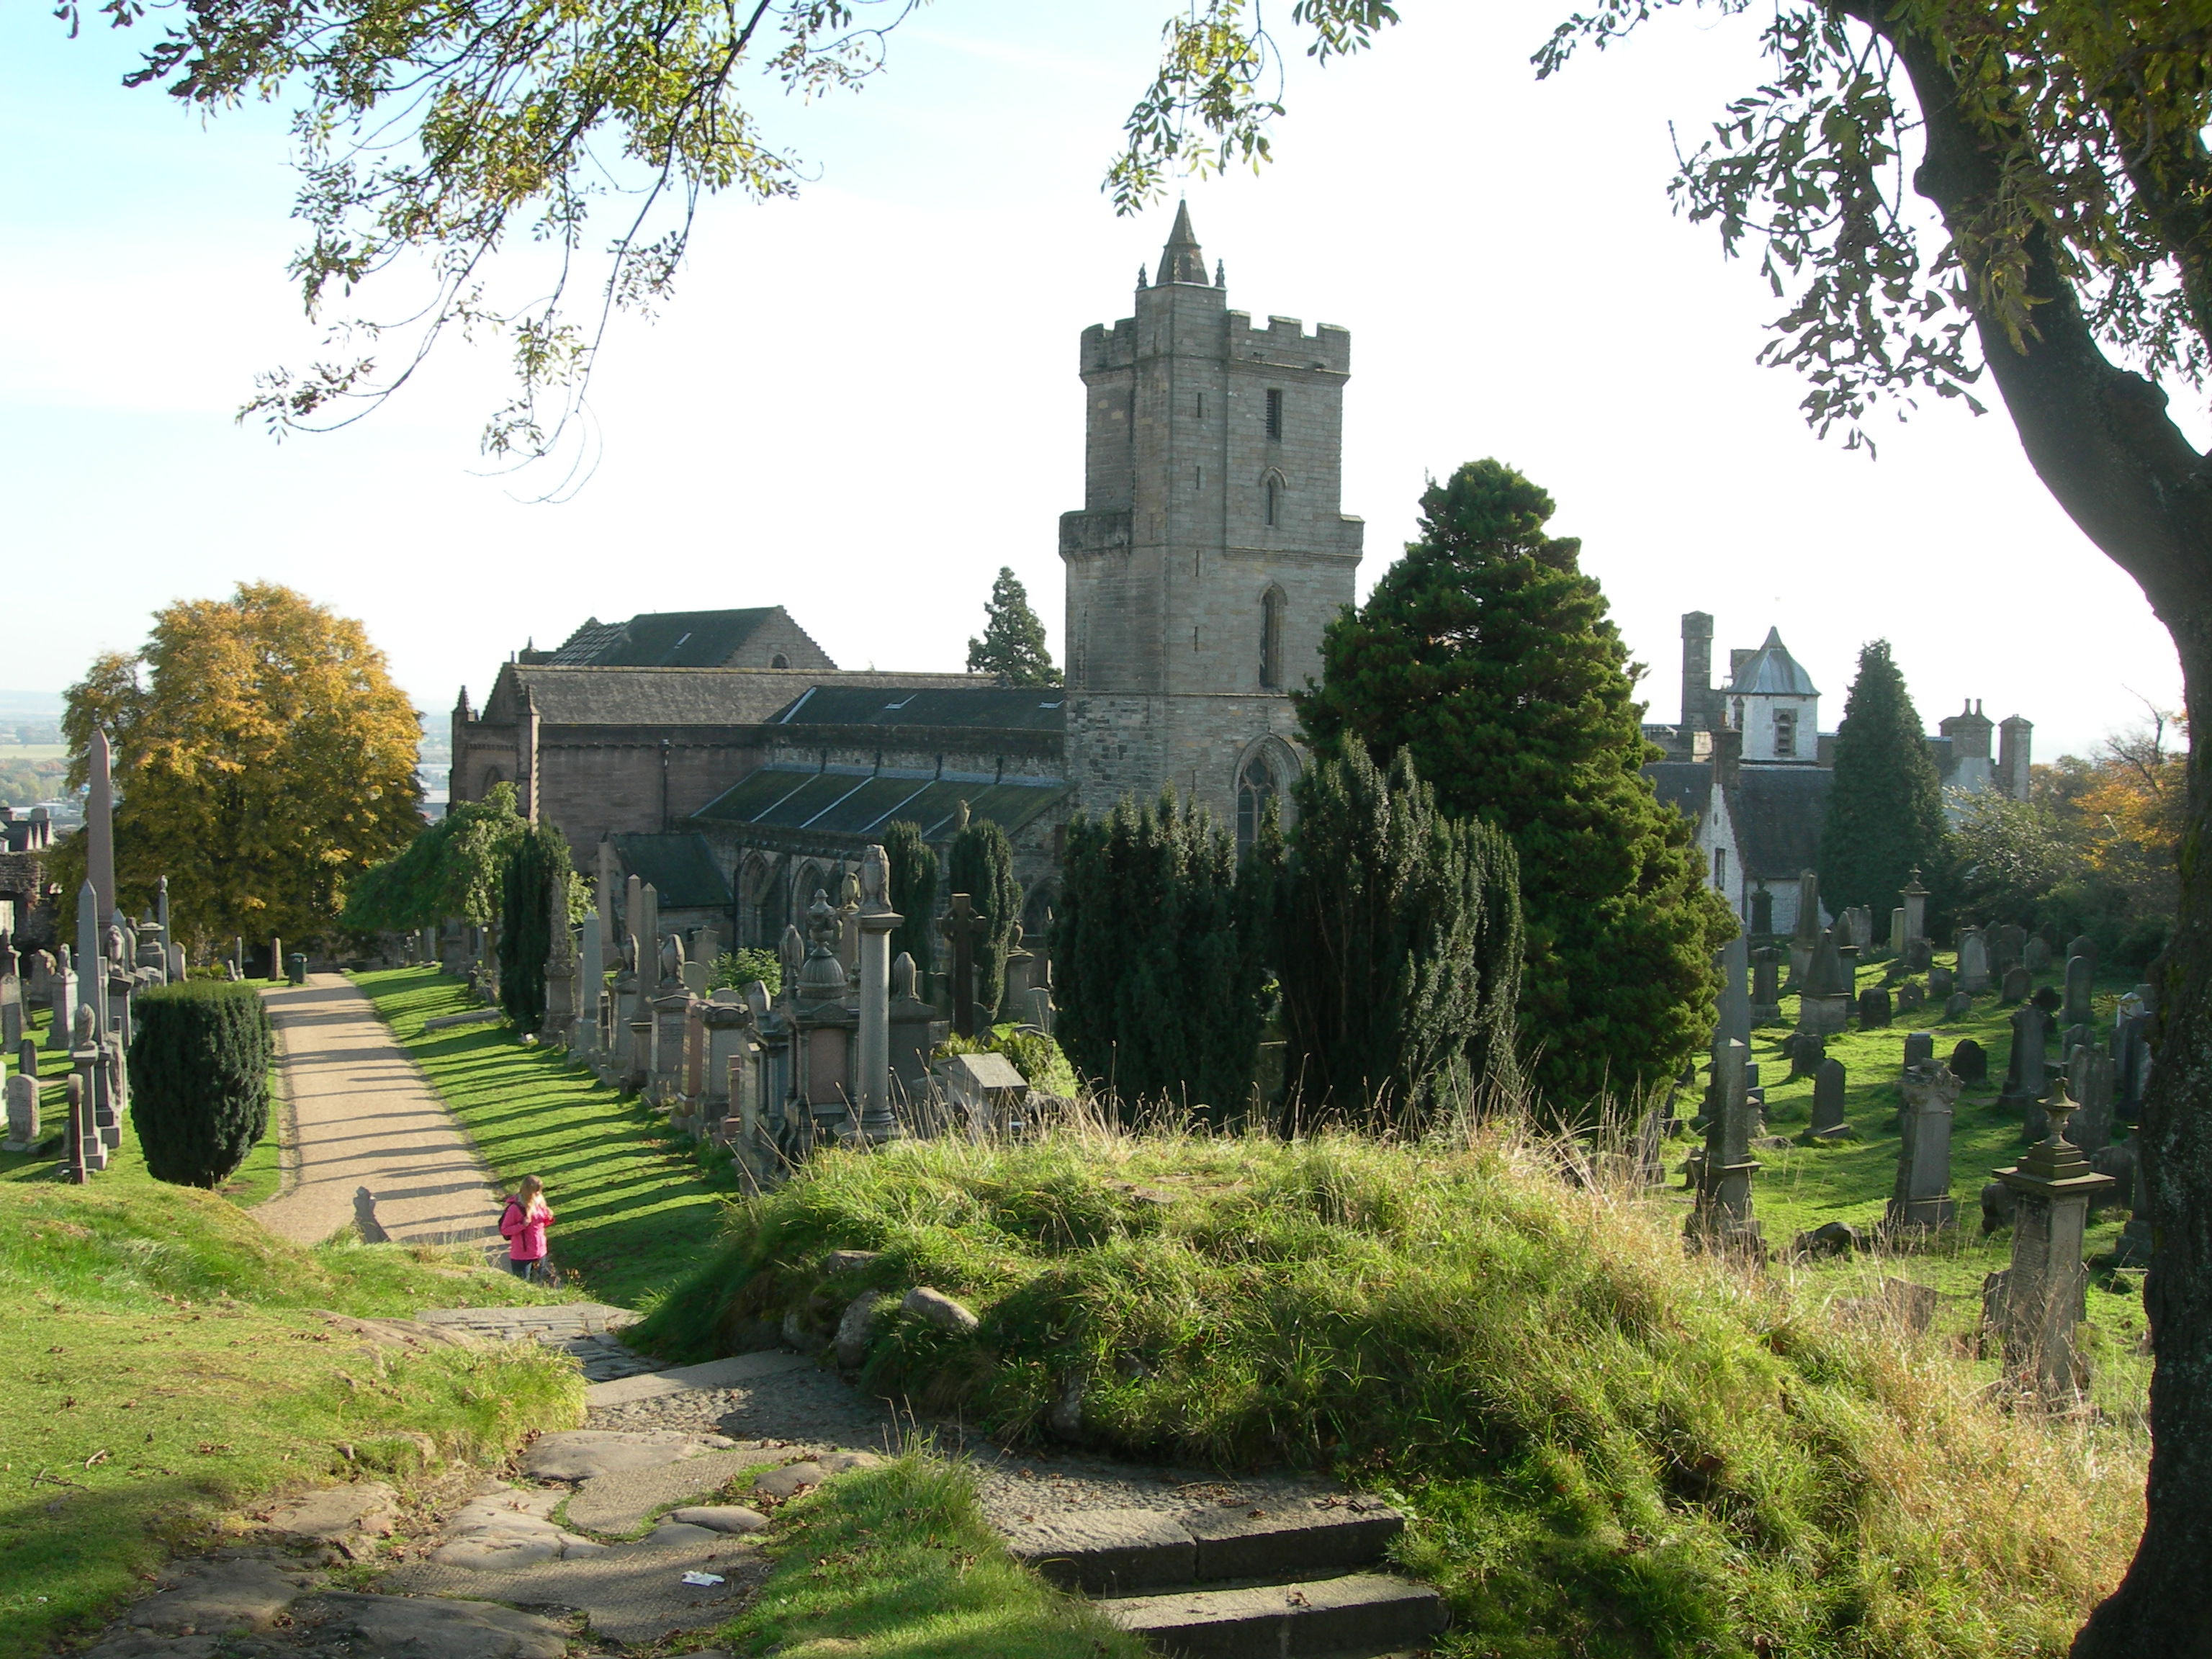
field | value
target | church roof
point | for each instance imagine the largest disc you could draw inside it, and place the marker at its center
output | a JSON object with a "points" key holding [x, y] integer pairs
{"points": [[566, 694], [1771, 671], [668, 639], [1181, 260], [855, 803], [681, 868], [1777, 812], [980, 708], [1687, 786]]}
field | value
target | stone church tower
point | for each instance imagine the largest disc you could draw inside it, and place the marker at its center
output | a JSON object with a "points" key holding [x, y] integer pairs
{"points": [[1210, 552]]}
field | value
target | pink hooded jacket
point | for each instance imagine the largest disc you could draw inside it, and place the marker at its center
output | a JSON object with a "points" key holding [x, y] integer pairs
{"points": [[524, 1230]]}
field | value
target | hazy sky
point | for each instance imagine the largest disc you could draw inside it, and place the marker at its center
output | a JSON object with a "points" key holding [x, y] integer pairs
{"points": [[862, 403]]}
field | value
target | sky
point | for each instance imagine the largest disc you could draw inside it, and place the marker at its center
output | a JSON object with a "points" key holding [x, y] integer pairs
{"points": [[863, 402]]}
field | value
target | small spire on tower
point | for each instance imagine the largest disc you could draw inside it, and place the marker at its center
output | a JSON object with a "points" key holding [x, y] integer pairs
{"points": [[1141, 282], [1181, 260], [1220, 274]]}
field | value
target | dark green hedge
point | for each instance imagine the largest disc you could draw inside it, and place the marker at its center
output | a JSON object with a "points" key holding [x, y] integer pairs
{"points": [[199, 1078]]}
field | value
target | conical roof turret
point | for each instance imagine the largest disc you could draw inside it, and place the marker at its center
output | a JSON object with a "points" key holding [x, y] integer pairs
{"points": [[1181, 260]]}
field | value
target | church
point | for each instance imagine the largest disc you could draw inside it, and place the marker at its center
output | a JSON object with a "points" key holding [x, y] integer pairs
{"points": [[723, 757]]}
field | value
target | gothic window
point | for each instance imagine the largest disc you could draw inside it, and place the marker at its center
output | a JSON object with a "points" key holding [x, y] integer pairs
{"points": [[1275, 415], [1263, 780], [779, 660], [1736, 721], [1785, 734], [1271, 639], [1720, 869], [1274, 500]]}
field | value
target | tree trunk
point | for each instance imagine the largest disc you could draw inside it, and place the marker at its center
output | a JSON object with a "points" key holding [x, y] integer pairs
{"points": [[2099, 439]]}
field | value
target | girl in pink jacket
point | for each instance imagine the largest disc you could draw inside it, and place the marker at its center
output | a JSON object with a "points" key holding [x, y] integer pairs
{"points": [[523, 1225]]}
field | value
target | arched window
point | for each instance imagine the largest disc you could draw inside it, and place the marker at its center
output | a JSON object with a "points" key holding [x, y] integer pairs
{"points": [[1263, 780], [1272, 605], [762, 915], [1274, 500], [779, 660]]}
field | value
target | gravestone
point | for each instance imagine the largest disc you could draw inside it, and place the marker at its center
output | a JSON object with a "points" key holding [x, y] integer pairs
{"points": [[1973, 961], [1723, 1219], [1921, 1195], [2018, 982], [2081, 973], [1919, 1048], [1828, 1102], [2082, 945], [1969, 1062], [2134, 1249], [2027, 1069], [2050, 1000], [1874, 1008], [1920, 956], [1897, 930], [1765, 985], [2006, 948], [22, 1096], [1940, 982], [1824, 999], [966, 929], [2089, 1076], [2042, 1297], [1807, 938], [1911, 998], [2130, 1052], [1805, 1050], [1733, 1023], [1762, 911], [2035, 956]]}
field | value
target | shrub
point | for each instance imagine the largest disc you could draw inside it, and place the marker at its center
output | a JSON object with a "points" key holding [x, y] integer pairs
{"points": [[913, 895], [1032, 1053], [982, 866], [733, 970], [199, 1078]]}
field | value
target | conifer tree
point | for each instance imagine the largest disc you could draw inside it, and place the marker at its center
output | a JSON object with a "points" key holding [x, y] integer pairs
{"points": [[1012, 645], [1159, 956], [982, 865], [1399, 951], [913, 895], [1488, 655], [537, 862], [1886, 804]]}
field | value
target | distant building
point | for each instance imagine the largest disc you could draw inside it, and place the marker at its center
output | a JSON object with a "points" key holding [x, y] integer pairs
{"points": [[1749, 765]]}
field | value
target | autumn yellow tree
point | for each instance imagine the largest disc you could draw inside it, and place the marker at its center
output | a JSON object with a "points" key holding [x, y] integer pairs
{"points": [[263, 758]]}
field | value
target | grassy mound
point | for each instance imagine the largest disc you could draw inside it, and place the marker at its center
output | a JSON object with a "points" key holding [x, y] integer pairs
{"points": [[1611, 1448], [160, 1372], [898, 1563]]}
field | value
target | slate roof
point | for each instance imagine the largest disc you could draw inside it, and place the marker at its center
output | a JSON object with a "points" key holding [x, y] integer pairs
{"points": [[1687, 786], [569, 695], [978, 707], [664, 639], [1771, 671], [1777, 812], [852, 802], [681, 868]]}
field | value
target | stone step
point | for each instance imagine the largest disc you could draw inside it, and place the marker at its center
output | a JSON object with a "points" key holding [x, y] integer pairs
{"points": [[1361, 1616], [1122, 1552]]}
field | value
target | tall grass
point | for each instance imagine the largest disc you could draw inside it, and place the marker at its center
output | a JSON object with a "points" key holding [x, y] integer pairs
{"points": [[1612, 1446]]}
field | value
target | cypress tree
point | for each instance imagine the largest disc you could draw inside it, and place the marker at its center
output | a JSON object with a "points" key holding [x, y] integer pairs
{"points": [[913, 895], [1400, 950], [1159, 956], [1013, 644], [199, 1078], [536, 861], [982, 865], [1487, 654], [1886, 802]]}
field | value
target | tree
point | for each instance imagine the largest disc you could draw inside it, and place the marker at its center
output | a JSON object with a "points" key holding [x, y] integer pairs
{"points": [[200, 1052], [1486, 654], [1886, 806], [913, 895], [454, 868], [1159, 956], [536, 867], [1013, 646], [1399, 951], [982, 865], [263, 758]]}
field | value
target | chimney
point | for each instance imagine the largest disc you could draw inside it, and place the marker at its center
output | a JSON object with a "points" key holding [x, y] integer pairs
{"points": [[2015, 738], [1698, 702]]}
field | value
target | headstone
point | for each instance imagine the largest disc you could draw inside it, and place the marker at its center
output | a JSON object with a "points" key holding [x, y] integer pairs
{"points": [[2027, 1071], [22, 1096], [1921, 1195], [1969, 1062], [1940, 982], [1807, 938], [1916, 911], [1762, 911], [2043, 1296], [1735, 1010], [2005, 949], [1973, 962], [1722, 1219], [1874, 1008], [1862, 927], [1920, 956], [1958, 1006], [1911, 998], [276, 959], [2051, 999], [1828, 1122], [2018, 983], [2130, 1049], [2081, 975], [1824, 999], [966, 929], [27, 1057], [1919, 1048], [1765, 985], [2082, 945], [2035, 955], [2134, 1249], [2089, 1076], [1897, 930], [1805, 1050]]}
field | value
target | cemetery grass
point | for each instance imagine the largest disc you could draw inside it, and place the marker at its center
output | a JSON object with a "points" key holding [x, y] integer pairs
{"points": [[1608, 1447], [898, 1563], [632, 1206], [1805, 1187], [163, 1373]]}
